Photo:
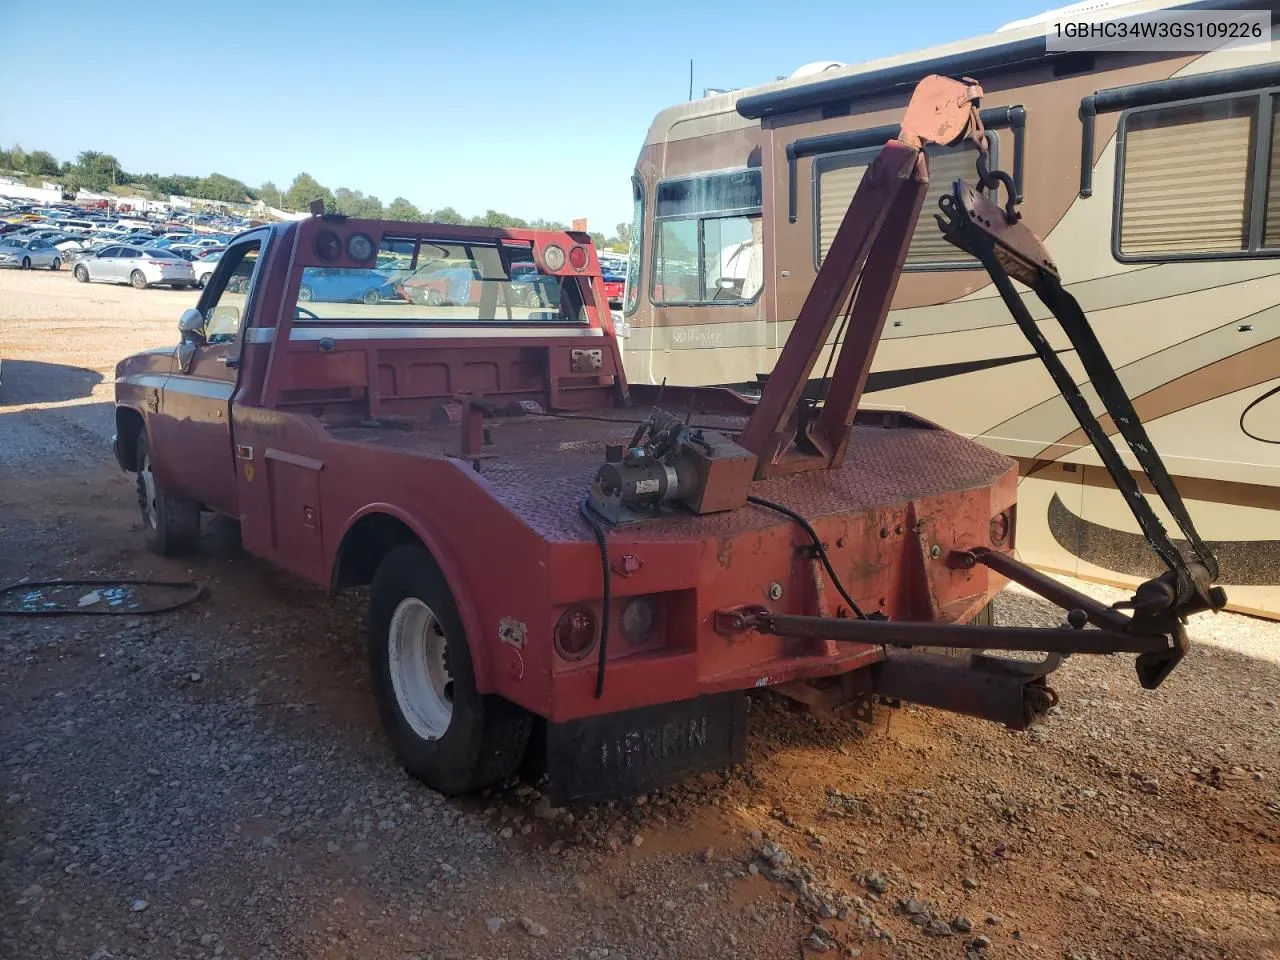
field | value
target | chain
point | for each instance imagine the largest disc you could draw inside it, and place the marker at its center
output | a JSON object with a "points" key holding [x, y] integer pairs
{"points": [[988, 179]]}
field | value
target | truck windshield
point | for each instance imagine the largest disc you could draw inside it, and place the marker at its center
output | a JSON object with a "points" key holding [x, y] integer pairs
{"points": [[440, 282]]}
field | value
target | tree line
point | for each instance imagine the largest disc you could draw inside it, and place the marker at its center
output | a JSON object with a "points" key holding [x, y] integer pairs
{"points": [[100, 172]]}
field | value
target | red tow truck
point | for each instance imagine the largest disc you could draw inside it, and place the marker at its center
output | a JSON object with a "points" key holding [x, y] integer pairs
{"points": [[562, 562]]}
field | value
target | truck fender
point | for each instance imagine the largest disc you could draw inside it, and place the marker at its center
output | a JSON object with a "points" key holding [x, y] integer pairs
{"points": [[449, 568]]}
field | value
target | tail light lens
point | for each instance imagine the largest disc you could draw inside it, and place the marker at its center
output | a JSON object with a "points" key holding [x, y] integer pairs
{"points": [[1001, 528], [576, 632], [637, 620], [578, 258], [553, 257]]}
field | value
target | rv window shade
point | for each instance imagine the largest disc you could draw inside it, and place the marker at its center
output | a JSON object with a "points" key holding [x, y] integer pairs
{"points": [[1186, 178], [1271, 236], [713, 193], [838, 179]]}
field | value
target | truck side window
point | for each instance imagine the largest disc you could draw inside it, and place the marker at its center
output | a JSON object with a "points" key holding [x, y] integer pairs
{"points": [[225, 312]]}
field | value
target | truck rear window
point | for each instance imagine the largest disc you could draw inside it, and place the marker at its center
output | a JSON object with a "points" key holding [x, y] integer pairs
{"points": [[444, 282]]}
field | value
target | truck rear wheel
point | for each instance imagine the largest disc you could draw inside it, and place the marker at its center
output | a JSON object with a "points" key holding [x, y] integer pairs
{"points": [[172, 523], [446, 733]]}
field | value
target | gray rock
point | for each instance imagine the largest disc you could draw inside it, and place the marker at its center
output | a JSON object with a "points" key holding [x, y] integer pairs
{"points": [[994, 919], [913, 907], [494, 924], [137, 906], [535, 930], [1090, 893], [970, 883], [939, 929], [962, 925], [980, 943], [41, 856], [877, 882], [33, 891]]}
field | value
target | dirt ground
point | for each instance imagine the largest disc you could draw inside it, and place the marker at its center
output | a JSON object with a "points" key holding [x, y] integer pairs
{"points": [[213, 782]]}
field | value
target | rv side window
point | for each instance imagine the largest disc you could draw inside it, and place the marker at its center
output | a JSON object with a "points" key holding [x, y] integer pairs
{"points": [[1194, 181], [836, 178], [631, 296], [707, 243]]}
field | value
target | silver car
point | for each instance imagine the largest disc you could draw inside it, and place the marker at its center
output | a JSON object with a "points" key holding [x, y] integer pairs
{"points": [[28, 252], [141, 267]]}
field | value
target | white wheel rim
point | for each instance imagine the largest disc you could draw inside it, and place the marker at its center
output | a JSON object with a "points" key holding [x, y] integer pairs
{"points": [[149, 488], [419, 676]]}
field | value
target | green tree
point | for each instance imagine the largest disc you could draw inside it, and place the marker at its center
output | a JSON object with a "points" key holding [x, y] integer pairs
{"points": [[217, 186], [402, 209], [95, 171], [270, 194], [303, 190], [42, 163], [353, 203], [445, 215], [17, 158]]}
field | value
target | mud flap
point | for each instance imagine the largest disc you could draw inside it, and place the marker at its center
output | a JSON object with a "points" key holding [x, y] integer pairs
{"points": [[1011, 692], [621, 754]]}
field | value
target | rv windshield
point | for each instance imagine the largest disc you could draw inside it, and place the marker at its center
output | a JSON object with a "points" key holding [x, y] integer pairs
{"points": [[440, 282]]}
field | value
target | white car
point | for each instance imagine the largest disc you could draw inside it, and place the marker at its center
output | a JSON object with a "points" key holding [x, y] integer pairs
{"points": [[204, 267], [141, 267]]}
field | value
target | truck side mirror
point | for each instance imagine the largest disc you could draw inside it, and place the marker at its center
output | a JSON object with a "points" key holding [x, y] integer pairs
{"points": [[191, 327]]}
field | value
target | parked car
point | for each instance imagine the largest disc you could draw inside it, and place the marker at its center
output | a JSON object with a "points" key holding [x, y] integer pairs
{"points": [[335, 285], [26, 253], [450, 284], [615, 282], [137, 266], [204, 266]]}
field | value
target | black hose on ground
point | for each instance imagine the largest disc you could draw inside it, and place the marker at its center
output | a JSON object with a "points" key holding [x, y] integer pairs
{"points": [[194, 592], [598, 530], [817, 546]]}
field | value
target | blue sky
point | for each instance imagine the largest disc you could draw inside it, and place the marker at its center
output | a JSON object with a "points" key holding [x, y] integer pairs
{"points": [[534, 109]]}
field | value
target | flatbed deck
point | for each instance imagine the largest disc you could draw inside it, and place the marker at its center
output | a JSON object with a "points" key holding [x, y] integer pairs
{"points": [[541, 468]]}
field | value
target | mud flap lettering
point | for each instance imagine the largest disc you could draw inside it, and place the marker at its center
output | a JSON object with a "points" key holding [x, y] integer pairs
{"points": [[601, 758]]}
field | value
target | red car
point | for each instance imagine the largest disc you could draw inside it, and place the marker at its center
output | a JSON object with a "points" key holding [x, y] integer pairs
{"points": [[614, 284]]}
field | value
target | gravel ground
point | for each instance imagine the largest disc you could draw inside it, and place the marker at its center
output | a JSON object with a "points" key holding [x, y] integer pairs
{"points": [[213, 783]]}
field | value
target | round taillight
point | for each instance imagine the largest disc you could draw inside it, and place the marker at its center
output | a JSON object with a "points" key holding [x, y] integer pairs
{"points": [[553, 257], [575, 633], [637, 619], [327, 245], [360, 247], [578, 258], [1000, 525]]}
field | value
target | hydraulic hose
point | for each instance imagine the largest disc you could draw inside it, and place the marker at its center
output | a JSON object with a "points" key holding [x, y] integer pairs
{"points": [[817, 546]]}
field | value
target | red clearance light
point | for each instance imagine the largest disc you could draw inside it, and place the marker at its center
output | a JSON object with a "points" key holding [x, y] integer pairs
{"points": [[575, 633], [578, 258]]}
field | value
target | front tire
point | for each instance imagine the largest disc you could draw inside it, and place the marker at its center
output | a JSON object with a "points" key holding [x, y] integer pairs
{"points": [[26, 263], [445, 732], [82, 273], [138, 280], [56, 265], [172, 523], [371, 297]]}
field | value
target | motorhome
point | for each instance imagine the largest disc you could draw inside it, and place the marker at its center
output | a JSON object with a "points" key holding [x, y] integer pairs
{"points": [[1152, 176]]}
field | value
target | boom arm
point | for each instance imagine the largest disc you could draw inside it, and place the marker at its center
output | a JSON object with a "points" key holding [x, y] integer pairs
{"points": [[857, 280]]}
